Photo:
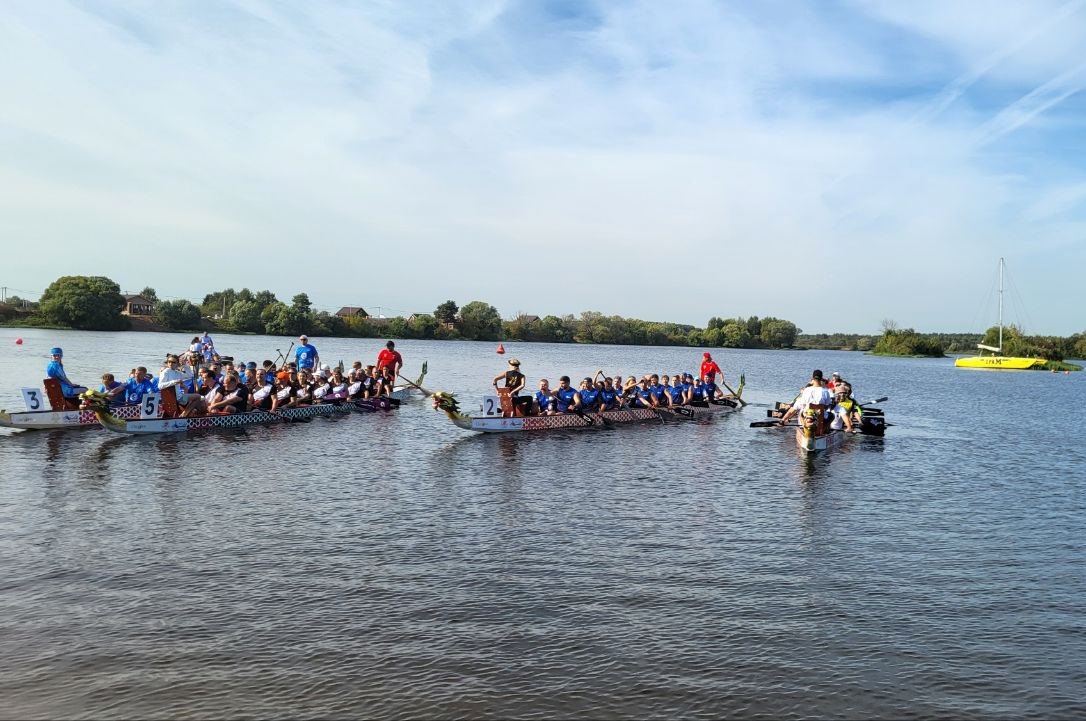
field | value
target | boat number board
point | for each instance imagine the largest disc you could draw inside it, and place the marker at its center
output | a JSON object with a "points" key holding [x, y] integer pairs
{"points": [[32, 399], [492, 406], [149, 405]]}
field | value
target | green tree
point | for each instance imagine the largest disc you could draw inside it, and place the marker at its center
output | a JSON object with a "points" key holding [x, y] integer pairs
{"points": [[446, 312], [177, 314], [397, 327], [245, 317], [218, 303], [1078, 350], [324, 323], [734, 335], [265, 298], [754, 327], [423, 326], [777, 333], [480, 321], [285, 320], [84, 302], [302, 303], [150, 294]]}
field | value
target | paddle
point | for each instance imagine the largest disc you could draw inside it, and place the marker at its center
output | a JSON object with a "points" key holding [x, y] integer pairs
{"points": [[414, 385], [730, 390], [588, 420], [877, 400], [772, 424]]}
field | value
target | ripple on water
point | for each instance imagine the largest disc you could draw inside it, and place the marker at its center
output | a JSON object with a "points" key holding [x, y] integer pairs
{"points": [[388, 565]]}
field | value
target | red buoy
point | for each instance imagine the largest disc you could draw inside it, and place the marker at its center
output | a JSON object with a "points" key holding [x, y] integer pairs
{"points": [[18, 341], [501, 349]]}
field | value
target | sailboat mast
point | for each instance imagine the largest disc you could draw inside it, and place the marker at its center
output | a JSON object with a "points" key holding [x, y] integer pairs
{"points": [[1001, 304]]}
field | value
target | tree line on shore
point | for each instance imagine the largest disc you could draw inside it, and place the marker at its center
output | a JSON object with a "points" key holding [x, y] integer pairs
{"points": [[96, 303]]}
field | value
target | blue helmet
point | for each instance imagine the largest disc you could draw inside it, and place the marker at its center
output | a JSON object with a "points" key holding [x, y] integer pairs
{"points": [[56, 351]]}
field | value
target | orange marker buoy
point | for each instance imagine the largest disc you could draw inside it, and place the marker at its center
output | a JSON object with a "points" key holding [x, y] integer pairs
{"points": [[18, 341], [501, 349]]}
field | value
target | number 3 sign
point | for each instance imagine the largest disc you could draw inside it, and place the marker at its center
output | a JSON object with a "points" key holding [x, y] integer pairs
{"points": [[32, 399]]}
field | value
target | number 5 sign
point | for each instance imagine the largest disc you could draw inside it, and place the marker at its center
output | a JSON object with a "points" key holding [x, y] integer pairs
{"points": [[149, 405], [33, 400]]}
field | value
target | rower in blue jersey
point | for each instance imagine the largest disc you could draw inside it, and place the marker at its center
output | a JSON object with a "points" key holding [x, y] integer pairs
{"points": [[55, 369], [566, 397], [112, 388], [139, 385], [688, 385], [711, 389], [616, 385], [589, 397], [544, 399], [698, 392], [659, 394], [675, 392], [642, 395], [608, 397]]}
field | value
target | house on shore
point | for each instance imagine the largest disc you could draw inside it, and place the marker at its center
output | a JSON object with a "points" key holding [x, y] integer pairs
{"points": [[137, 305], [352, 311]]}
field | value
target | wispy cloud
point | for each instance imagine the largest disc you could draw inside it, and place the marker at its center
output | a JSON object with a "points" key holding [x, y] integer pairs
{"points": [[718, 145]]}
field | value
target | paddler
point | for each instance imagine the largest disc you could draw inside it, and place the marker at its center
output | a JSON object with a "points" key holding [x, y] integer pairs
{"points": [[173, 374], [112, 388], [815, 394], [566, 396], [55, 369], [139, 385], [514, 382], [842, 412], [544, 399], [589, 397]]}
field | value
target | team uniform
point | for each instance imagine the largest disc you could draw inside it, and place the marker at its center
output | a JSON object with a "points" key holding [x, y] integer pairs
{"points": [[545, 401], [389, 359], [305, 357], [137, 389], [590, 399], [564, 399], [55, 369]]}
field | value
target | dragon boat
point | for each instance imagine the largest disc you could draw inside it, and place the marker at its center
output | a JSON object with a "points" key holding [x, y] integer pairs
{"points": [[817, 436], [496, 416], [171, 422], [67, 413], [62, 412]]}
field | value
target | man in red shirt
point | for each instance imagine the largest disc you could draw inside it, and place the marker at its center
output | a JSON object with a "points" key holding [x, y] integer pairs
{"points": [[709, 369], [390, 358]]}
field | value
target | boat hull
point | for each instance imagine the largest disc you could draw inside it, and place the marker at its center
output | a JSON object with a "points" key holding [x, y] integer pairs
{"points": [[998, 362], [495, 424], [236, 420], [53, 420], [812, 444]]}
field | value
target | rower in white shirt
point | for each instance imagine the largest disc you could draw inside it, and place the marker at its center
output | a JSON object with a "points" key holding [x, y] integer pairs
{"points": [[815, 394]]}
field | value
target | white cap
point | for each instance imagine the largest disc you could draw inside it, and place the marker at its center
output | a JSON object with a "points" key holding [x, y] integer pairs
{"points": [[326, 367]]}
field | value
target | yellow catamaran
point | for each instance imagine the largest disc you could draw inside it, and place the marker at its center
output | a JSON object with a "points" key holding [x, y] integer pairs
{"points": [[997, 361]]}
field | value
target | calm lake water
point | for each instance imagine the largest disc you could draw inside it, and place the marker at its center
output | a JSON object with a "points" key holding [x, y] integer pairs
{"points": [[393, 565]]}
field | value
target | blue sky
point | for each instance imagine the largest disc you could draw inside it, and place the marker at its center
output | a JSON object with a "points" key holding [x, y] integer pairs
{"points": [[669, 161]]}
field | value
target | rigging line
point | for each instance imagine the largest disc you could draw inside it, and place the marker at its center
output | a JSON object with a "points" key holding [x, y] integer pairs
{"points": [[1022, 308], [984, 310]]}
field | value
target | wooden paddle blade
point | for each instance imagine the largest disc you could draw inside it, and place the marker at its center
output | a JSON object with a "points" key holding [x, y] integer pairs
{"points": [[765, 424]]}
